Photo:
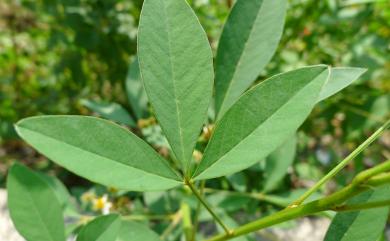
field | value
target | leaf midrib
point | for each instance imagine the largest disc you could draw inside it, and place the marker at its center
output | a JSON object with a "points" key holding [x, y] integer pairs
{"points": [[174, 81], [266, 120], [98, 155]]}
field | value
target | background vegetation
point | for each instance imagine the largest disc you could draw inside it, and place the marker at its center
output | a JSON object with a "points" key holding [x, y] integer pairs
{"points": [[56, 53]]}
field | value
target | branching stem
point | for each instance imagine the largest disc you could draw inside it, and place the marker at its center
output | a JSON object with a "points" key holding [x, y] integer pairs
{"points": [[328, 203], [333, 202], [341, 165], [207, 206]]}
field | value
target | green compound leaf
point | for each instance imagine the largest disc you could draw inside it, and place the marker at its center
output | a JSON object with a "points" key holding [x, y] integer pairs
{"points": [[278, 162], [110, 111], [132, 231], [104, 228], [135, 91], [365, 225], [261, 120], [177, 69], [340, 78], [100, 151], [247, 44], [34, 207]]}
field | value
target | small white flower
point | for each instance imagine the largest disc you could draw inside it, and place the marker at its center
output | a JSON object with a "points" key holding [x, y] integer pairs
{"points": [[102, 204]]}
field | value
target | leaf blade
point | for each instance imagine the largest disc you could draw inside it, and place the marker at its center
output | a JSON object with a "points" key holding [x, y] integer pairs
{"points": [[247, 44], [99, 151], [278, 162], [263, 117], [111, 111], [103, 228], [135, 91], [135, 231], [175, 78], [339, 79], [366, 225], [34, 208]]}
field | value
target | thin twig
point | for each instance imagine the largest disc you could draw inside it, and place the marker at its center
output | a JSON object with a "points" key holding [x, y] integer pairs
{"points": [[198, 209], [207, 206], [341, 165]]}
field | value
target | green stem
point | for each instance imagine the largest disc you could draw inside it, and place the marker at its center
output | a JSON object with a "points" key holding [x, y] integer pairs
{"points": [[341, 165], [380, 179], [365, 175], [187, 225], [198, 209], [207, 206], [175, 221], [148, 217], [361, 206], [271, 199], [328, 203]]}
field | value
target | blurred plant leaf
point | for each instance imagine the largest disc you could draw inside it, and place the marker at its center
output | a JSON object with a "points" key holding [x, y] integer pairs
{"points": [[339, 79], [247, 44], [103, 228], [99, 151], [365, 225], [131, 231], [110, 111], [278, 162], [238, 181], [177, 69], [34, 208], [261, 120], [58, 187], [230, 222], [135, 91]]}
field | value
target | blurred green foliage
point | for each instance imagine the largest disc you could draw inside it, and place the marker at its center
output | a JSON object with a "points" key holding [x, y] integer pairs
{"points": [[61, 56], [53, 54]]}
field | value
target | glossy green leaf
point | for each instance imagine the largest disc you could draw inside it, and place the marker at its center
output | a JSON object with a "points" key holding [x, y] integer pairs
{"points": [[132, 231], [261, 120], [177, 70], [247, 44], [278, 162], [135, 91], [110, 111], [366, 225], [98, 150], [104, 228], [339, 79], [33, 205]]}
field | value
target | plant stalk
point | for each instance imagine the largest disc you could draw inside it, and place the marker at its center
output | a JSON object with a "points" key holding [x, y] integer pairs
{"points": [[331, 202], [175, 221], [361, 206], [198, 209], [207, 206], [341, 165], [187, 225]]}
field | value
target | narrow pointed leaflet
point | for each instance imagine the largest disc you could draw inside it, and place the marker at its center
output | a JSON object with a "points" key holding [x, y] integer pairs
{"points": [[177, 70], [340, 77], [100, 151], [261, 120], [249, 40], [34, 207]]}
